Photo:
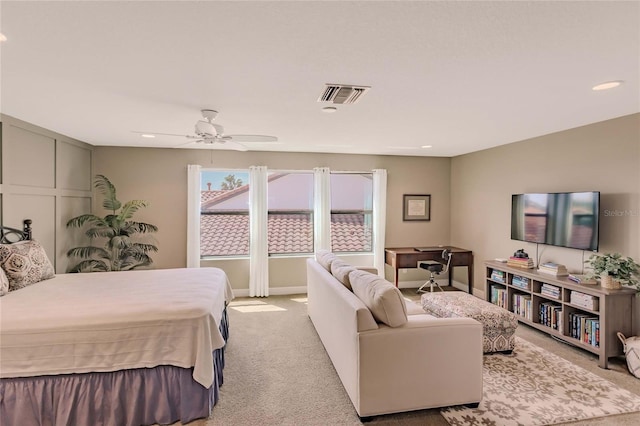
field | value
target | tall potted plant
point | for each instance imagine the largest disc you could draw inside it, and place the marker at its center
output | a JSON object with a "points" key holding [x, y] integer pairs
{"points": [[613, 269], [117, 230]]}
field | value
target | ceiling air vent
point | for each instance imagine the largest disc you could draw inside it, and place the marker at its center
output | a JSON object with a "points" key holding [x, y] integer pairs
{"points": [[341, 94]]}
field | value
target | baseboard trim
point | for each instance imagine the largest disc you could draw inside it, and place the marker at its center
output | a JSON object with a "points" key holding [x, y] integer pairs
{"points": [[273, 291], [443, 282], [285, 291], [479, 293]]}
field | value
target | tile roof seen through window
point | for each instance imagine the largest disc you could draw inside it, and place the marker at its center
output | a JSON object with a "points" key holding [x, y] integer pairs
{"points": [[210, 195], [228, 234], [349, 233]]}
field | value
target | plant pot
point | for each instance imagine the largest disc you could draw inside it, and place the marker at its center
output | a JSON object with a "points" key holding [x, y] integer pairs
{"points": [[607, 281]]}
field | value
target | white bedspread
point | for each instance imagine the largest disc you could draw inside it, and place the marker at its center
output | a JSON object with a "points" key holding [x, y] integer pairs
{"points": [[108, 321]]}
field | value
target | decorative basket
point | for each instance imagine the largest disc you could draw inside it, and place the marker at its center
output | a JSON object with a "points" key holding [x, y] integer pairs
{"points": [[607, 281]]}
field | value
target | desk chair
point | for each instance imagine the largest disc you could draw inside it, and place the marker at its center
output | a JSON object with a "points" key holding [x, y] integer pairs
{"points": [[435, 268]]}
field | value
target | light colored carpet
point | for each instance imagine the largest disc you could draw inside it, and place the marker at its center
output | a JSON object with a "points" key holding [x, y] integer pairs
{"points": [[278, 373]]}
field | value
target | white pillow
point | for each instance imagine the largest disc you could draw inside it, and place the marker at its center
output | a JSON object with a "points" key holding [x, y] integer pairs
{"points": [[382, 298], [324, 258], [25, 263], [341, 270], [4, 283]]}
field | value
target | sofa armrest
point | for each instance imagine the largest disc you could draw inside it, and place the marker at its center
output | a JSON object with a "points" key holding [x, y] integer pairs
{"points": [[438, 357]]}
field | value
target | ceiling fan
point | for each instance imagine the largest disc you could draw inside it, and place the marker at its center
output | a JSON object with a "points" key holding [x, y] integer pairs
{"points": [[209, 133]]}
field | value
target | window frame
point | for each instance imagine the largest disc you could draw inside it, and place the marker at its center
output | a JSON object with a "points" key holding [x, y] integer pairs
{"points": [[308, 212], [364, 212], [230, 212]]}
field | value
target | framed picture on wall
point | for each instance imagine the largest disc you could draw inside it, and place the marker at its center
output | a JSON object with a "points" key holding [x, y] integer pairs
{"points": [[416, 207]]}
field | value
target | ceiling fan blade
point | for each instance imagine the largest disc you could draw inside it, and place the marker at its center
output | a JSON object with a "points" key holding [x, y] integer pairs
{"points": [[232, 144], [251, 138]]}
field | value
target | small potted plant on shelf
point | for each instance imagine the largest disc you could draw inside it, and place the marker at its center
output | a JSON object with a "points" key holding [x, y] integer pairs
{"points": [[613, 270]]}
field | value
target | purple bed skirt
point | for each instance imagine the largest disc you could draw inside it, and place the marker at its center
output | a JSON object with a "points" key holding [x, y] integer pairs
{"points": [[144, 396]]}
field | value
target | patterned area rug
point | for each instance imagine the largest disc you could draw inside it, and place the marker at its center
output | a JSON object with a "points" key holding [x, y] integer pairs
{"points": [[535, 387]]}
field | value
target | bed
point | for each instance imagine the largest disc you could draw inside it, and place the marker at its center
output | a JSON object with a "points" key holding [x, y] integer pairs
{"points": [[112, 348]]}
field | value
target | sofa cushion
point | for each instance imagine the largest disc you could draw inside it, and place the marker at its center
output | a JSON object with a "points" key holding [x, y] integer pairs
{"points": [[382, 298], [414, 308], [324, 258], [341, 270]]}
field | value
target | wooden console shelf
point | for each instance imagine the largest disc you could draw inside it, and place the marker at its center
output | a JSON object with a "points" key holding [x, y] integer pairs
{"points": [[611, 311]]}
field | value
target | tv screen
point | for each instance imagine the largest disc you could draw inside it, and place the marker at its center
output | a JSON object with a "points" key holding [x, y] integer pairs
{"points": [[564, 219]]}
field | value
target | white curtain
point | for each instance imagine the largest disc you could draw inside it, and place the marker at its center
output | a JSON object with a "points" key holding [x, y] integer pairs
{"points": [[258, 246], [322, 208], [193, 216], [379, 218]]}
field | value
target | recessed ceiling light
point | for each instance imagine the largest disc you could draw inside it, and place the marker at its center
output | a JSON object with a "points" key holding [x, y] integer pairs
{"points": [[3, 37], [146, 135], [607, 85], [329, 109], [426, 146]]}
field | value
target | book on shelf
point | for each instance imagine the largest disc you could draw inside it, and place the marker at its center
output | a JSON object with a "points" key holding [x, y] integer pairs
{"points": [[582, 279], [553, 269], [520, 282], [550, 315], [498, 276], [585, 328], [520, 262], [522, 305], [499, 296], [584, 300], [550, 291]]}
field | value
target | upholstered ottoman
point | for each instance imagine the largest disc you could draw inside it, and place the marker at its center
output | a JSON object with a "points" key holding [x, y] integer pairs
{"points": [[498, 324]]}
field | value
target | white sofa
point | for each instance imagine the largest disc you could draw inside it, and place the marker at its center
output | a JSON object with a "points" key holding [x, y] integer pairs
{"points": [[427, 362]]}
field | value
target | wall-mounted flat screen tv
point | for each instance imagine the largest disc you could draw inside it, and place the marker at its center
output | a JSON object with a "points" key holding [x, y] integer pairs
{"points": [[564, 219]]}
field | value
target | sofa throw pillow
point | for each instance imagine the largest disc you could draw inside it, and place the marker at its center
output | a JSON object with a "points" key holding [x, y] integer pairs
{"points": [[25, 263], [4, 283], [382, 298], [341, 270], [324, 258]]}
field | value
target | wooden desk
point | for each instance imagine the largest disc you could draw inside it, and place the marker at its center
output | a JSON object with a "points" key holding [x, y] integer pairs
{"points": [[408, 257]]}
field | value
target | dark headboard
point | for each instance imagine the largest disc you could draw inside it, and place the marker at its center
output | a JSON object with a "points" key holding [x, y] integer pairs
{"points": [[12, 235]]}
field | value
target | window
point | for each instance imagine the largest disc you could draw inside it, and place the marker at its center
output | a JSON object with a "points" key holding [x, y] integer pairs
{"points": [[351, 212], [224, 213], [290, 212]]}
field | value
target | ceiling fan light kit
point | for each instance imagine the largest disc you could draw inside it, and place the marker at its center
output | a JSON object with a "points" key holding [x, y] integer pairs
{"points": [[209, 114]]}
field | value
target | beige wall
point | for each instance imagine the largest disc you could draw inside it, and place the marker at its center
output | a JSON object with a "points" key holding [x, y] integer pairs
{"points": [[160, 177], [470, 194], [46, 177], [601, 157]]}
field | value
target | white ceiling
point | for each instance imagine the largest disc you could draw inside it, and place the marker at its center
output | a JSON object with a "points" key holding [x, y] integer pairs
{"points": [[461, 76]]}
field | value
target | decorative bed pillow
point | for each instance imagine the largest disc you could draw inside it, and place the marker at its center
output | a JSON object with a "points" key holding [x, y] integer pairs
{"points": [[341, 270], [4, 283], [25, 263], [382, 298], [324, 258]]}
